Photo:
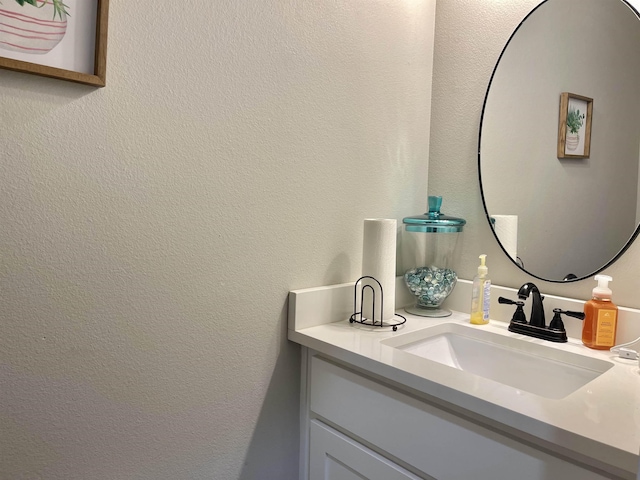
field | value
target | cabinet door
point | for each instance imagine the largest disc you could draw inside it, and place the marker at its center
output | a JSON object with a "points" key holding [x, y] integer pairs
{"points": [[333, 456]]}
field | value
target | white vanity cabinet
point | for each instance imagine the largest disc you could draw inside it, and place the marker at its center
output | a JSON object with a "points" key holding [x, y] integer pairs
{"points": [[355, 427]]}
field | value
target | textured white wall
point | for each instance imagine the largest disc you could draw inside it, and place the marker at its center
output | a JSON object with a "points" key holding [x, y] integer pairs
{"points": [[150, 230], [465, 54]]}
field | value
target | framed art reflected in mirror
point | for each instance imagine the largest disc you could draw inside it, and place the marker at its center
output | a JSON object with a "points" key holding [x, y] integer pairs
{"points": [[574, 126]]}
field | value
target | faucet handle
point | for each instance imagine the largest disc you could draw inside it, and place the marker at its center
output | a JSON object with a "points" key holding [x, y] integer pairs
{"points": [[556, 322], [518, 315], [579, 315]]}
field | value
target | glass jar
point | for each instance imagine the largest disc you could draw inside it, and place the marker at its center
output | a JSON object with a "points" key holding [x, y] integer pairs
{"points": [[428, 247]]}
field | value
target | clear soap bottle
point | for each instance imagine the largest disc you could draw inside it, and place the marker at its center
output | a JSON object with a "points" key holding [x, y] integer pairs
{"points": [[601, 317], [481, 294]]}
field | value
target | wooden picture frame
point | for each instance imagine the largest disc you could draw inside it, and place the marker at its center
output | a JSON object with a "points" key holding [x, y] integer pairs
{"points": [[23, 28], [574, 126]]}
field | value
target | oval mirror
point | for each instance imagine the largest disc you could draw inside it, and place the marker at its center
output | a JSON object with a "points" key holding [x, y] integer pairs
{"points": [[563, 208]]}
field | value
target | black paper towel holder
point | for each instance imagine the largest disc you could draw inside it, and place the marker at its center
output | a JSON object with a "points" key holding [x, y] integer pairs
{"points": [[357, 316]]}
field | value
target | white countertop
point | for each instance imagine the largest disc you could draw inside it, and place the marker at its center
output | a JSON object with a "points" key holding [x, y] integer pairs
{"points": [[599, 421]]}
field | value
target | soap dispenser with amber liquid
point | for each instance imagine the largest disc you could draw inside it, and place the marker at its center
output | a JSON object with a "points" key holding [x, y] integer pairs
{"points": [[601, 317]]}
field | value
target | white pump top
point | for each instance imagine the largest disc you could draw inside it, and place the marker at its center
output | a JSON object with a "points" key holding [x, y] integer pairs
{"points": [[602, 290], [482, 269]]}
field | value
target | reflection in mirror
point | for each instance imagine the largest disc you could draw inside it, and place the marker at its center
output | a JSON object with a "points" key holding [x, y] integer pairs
{"points": [[567, 217]]}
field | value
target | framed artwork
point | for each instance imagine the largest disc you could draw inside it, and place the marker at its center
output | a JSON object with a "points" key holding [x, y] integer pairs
{"points": [[65, 39], [574, 129]]}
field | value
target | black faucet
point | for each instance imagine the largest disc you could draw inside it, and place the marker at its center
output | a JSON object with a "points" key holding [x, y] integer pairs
{"points": [[537, 311], [536, 326]]}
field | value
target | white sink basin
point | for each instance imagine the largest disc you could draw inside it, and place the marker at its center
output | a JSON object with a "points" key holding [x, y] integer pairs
{"points": [[539, 369]]}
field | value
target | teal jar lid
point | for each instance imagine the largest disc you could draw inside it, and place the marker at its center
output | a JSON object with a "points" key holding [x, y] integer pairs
{"points": [[434, 221]]}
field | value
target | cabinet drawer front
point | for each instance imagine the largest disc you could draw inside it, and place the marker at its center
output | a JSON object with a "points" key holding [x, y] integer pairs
{"points": [[333, 456], [432, 440]]}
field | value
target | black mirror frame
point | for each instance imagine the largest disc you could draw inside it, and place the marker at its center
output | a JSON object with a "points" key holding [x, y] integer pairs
{"points": [[484, 204]]}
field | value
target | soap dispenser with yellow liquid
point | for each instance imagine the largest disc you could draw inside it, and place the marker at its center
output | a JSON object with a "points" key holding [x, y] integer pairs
{"points": [[601, 317], [481, 294]]}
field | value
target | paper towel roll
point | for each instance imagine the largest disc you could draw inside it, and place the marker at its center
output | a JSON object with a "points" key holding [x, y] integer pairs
{"points": [[379, 262], [506, 228]]}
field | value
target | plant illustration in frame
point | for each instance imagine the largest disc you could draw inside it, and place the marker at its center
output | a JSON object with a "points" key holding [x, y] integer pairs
{"points": [[575, 119], [574, 132], [33, 27], [63, 39], [59, 8]]}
